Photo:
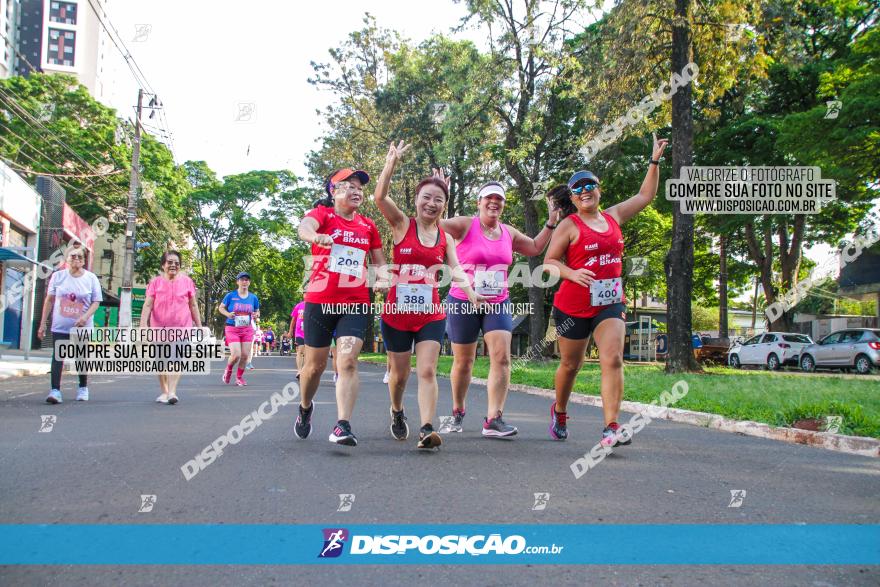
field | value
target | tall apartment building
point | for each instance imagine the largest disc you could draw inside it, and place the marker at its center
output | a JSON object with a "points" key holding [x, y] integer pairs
{"points": [[67, 36], [9, 10]]}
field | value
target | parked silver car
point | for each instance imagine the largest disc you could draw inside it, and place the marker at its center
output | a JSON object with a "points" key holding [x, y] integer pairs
{"points": [[771, 349], [853, 348]]}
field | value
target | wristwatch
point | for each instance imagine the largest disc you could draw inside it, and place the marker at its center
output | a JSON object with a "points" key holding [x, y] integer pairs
{"points": [[654, 162], [547, 225]]}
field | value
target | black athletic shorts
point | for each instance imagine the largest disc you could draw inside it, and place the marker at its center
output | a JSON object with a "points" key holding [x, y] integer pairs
{"points": [[575, 328], [300, 341], [402, 341], [319, 325]]}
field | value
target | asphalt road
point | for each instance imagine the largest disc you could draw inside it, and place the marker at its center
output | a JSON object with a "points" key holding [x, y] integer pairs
{"points": [[102, 456]]}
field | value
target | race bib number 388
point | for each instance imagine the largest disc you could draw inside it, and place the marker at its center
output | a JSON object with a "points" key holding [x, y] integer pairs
{"points": [[604, 292], [347, 260], [414, 297]]}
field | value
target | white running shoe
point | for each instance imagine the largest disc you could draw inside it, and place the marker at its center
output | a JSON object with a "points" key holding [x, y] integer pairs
{"points": [[162, 399], [82, 394], [385, 379], [54, 397]]}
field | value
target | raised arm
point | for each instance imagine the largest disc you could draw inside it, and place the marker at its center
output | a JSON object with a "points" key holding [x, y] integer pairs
{"points": [[628, 208], [395, 217], [532, 247]]}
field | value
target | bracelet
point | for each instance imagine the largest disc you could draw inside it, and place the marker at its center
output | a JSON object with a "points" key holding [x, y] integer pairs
{"points": [[547, 225], [653, 162]]}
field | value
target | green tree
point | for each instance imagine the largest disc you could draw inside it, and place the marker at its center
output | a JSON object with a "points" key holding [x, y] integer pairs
{"points": [[228, 221]]}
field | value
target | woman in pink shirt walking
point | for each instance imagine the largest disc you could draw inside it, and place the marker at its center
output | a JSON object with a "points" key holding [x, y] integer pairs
{"points": [[170, 303]]}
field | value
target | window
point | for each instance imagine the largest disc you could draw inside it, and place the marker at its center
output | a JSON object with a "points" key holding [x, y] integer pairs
{"points": [[852, 336], [63, 12], [769, 338], [797, 338], [62, 47], [832, 338], [753, 340]]}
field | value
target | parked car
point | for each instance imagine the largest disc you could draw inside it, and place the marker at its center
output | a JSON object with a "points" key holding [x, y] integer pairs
{"points": [[853, 348], [771, 349]]}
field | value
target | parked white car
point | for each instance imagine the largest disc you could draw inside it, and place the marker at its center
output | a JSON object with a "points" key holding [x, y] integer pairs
{"points": [[771, 349]]}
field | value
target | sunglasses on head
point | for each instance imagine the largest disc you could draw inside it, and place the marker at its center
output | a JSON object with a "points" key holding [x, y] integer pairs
{"points": [[588, 187]]}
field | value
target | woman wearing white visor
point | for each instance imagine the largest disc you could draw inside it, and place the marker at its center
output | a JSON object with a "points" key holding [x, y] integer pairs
{"points": [[485, 249]]}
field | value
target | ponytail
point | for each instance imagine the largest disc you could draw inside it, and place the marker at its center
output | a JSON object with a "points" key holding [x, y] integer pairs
{"points": [[560, 195]]}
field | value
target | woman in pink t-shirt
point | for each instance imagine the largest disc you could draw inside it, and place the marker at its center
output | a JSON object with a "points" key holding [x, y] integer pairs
{"points": [[170, 303]]}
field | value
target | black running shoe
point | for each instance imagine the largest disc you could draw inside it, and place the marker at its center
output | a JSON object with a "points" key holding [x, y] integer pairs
{"points": [[399, 427], [303, 426], [428, 438], [497, 428], [342, 434]]}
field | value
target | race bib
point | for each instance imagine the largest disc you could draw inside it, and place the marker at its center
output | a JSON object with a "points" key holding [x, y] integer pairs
{"points": [[347, 260], [242, 320], [71, 308], [605, 292], [414, 297], [489, 283]]}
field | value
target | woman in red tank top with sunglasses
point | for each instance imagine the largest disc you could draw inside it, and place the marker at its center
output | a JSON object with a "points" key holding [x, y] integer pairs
{"points": [[587, 252]]}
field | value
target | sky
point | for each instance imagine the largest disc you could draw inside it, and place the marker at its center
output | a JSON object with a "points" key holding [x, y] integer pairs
{"points": [[233, 80]]}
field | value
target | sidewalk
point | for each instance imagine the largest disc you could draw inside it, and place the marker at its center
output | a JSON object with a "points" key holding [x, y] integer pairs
{"points": [[13, 364]]}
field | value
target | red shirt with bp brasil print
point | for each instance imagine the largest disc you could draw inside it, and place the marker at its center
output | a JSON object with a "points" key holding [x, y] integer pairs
{"points": [[339, 275]]}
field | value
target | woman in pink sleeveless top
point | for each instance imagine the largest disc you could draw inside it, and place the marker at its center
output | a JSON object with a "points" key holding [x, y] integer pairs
{"points": [[485, 249]]}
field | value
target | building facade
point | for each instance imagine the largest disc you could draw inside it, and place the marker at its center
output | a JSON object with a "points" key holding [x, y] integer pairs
{"points": [[20, 225]]}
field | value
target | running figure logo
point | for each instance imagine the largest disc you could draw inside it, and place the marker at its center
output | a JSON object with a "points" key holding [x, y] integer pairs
{"points": [[147, 503], [541, 501], [737, 496], [832, 109], [334, 540], [445, 424], [833, 424], [47, 423], [346, 500]]}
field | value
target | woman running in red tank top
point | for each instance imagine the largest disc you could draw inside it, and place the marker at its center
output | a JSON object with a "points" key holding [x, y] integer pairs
{"points": [[412, 316], [587, 251]]}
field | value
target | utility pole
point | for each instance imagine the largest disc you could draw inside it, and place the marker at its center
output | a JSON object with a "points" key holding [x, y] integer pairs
{"points": [[130, 225]]}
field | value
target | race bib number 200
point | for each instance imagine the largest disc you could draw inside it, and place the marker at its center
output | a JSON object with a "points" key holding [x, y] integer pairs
{"points": [[347, 260], [605, 292]]}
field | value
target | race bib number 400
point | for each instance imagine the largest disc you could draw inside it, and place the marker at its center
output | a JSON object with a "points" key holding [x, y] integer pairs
{"points": [[489, 283], [242, 320], [347, 260], [605, 292], [414, 297]]}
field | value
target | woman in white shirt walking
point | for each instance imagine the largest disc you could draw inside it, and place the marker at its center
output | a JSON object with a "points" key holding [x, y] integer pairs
{"points": [[73, 298]]}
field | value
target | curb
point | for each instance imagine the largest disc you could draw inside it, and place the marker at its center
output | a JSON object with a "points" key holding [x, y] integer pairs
{"points": [[25, 372], [854, 445]]}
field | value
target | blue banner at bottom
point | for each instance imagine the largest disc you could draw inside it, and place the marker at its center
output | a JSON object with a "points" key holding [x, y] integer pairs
{"points": [[621, 544]]}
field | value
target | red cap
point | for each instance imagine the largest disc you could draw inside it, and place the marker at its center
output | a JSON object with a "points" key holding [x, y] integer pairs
{"points": [[347, 173]]}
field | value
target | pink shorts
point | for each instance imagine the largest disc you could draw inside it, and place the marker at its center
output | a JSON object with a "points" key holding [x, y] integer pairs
{"points": [[239, 334]]}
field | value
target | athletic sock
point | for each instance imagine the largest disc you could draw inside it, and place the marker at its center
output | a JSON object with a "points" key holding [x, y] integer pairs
{"points": [[239, 372]]}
